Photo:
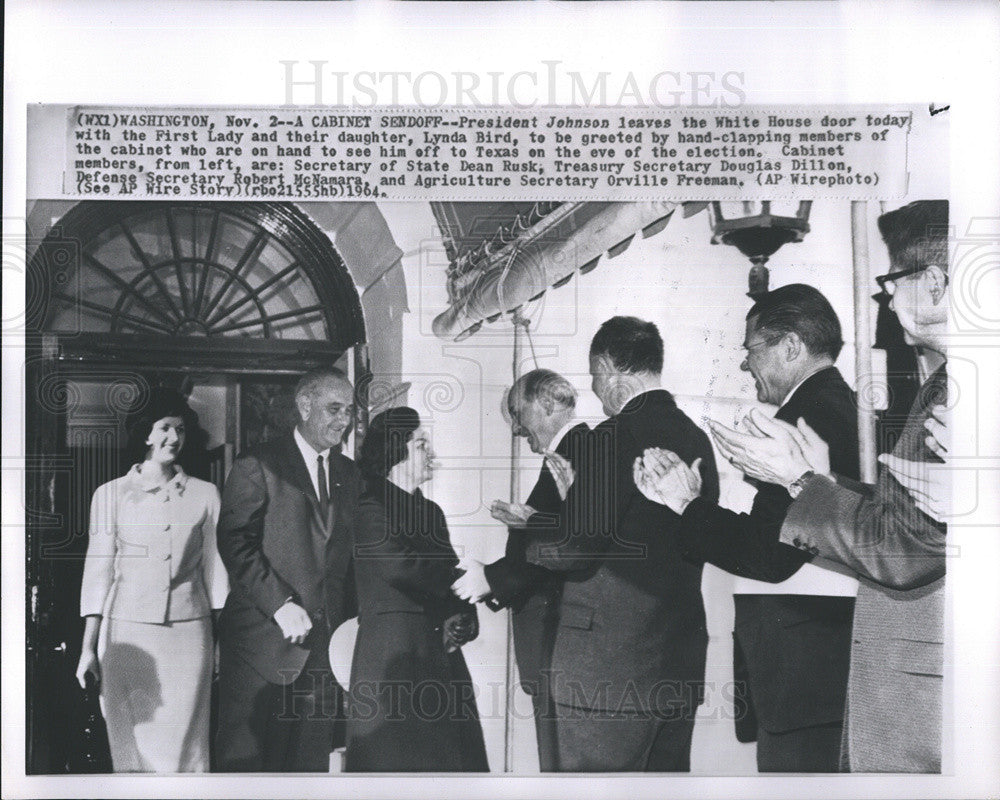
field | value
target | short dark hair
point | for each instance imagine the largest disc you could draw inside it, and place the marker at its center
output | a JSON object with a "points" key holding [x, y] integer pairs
{"points": [[307, 383], [804, 310], [542, 383], [159, 403], [385, 442], [916, 235], [632, 344]]}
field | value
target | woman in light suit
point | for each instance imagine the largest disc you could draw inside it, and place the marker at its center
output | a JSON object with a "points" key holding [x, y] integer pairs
{"points": [[151, 579]]}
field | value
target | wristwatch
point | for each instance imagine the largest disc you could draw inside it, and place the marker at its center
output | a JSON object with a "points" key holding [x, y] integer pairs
{"points": [[795, 487]]}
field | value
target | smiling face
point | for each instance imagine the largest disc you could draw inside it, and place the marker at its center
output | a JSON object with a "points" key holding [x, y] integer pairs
{"points": [[606, 384], [765, 361], [532, 420], [419, 464], [165, 440], [326, 413], [916, 301]]}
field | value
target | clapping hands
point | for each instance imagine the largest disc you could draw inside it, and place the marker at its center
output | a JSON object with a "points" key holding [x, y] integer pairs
{"points": [[937, 425], [927, 483], [664, 478], [772, 451]]}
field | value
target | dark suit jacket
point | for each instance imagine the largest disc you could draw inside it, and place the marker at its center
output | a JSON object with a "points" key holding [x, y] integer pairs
{"points": [[797, 647], [631, 633], [530, 591], [893, 721], [405, 567], [276, 545], [748, 545]]}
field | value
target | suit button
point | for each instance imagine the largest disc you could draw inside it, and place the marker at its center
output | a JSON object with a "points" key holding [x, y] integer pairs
{"points": [[814, 550], [166, 556], [797, 541]]}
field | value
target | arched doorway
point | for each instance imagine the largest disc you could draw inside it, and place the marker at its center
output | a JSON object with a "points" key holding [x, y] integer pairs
{"points": [[228, 301]]}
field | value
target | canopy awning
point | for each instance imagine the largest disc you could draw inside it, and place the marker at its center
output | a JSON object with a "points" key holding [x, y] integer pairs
{"points": [[503, 255]]}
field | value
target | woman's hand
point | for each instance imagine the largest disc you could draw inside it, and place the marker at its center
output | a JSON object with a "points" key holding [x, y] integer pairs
{"points": [[460, 629], [89, 665]]}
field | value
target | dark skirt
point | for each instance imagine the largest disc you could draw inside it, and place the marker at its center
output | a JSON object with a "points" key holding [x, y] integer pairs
{"points": [[412, 707]]}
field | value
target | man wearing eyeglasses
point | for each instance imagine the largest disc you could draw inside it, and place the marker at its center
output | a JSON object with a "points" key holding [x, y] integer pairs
{"points": [[792, 632], [882, 532]]}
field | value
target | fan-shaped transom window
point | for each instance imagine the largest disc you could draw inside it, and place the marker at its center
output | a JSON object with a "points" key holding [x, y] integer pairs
{"points": [[189, 269]]}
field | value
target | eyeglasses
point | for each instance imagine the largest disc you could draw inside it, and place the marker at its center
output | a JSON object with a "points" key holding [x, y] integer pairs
{"points": [[749, 348], [892, 277]]}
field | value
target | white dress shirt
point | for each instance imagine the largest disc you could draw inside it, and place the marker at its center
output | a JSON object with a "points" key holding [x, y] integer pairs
{"points": [[311, 457], [561, 433]]}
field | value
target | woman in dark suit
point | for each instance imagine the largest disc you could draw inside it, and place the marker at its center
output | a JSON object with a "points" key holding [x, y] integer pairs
{"points": [[412, 707]]}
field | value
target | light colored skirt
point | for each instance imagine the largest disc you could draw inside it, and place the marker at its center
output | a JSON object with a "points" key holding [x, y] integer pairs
{"points": [[155, 691]]}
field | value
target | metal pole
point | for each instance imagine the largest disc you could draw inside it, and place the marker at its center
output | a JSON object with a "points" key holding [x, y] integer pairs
{"points": [[867, 453], [515, 488]]}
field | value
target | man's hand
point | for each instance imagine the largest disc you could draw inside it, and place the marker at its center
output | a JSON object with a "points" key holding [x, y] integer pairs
{"points": [[769, 452], [513, 515], [562, 471], [814, 449], [472, 586], [938, 425], [928, 484], [664, 478], [294, 622]]}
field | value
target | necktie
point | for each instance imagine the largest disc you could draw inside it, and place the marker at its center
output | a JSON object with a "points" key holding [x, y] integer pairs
{"points": [[324, 485]]}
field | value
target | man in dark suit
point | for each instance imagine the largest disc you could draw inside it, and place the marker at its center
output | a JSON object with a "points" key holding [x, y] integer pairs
{"points": [[542, 408], [628, 665], [792, 638], [285, 537], [894, 704]]}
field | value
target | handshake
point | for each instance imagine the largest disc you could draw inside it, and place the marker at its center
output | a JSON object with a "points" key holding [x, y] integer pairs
{"points": [[472, 586]]}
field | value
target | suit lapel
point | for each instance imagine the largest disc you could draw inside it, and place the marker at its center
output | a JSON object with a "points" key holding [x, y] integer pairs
{"points": [[338, 477], [911, 443], [565, 444]]}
